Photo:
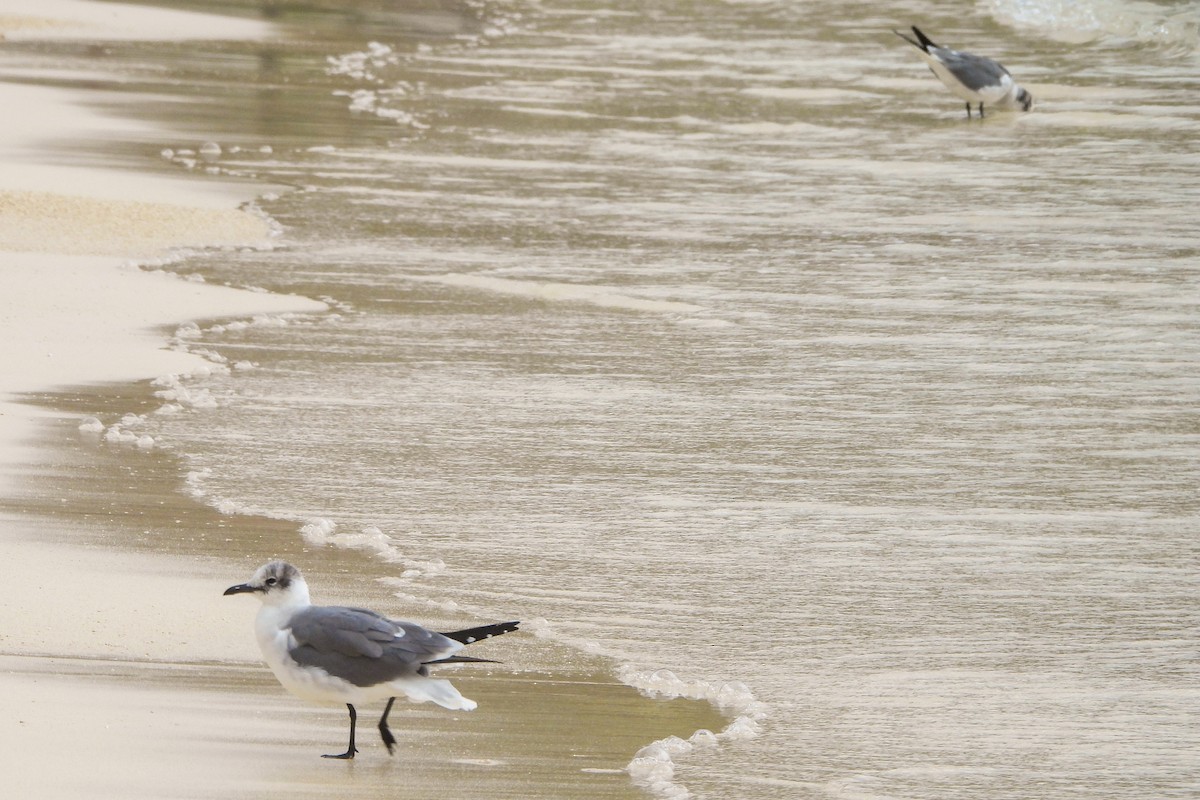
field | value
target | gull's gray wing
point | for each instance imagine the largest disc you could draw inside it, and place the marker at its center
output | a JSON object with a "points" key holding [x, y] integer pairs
{"points": [[363, 647], [974, 72]]}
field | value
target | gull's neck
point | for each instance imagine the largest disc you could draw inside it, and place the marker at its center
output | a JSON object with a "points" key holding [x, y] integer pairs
{"points": [[276, 613], [294, 598]]}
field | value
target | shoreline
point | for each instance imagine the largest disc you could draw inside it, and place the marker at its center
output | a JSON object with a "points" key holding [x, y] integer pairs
{"points": [[120, 650], [144, 644]]}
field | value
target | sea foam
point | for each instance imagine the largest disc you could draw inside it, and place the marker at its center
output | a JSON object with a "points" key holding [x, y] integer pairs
{"points": [[323, 532], [561, 292], [653, 767]]}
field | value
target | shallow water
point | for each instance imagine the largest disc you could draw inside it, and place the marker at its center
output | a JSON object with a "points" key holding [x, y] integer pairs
{"points": [[714, 338]]}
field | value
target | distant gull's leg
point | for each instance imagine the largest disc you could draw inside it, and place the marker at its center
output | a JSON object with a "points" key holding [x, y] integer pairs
{"points": [[351, 750], [968, 109], [384, 730], [981, 110]]}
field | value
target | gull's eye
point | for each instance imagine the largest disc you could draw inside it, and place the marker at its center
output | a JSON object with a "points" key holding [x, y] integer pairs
{"points": [[271, 581]]}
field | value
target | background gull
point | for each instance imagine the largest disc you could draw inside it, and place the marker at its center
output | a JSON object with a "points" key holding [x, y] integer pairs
{"points": [[973, 78], [338, 654]]}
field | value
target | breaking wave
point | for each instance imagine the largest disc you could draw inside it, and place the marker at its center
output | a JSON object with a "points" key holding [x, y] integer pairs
{"points": [[1080, 21]]}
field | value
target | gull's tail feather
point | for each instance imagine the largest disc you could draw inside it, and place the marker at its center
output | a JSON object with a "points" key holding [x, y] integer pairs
{"points": [[908, 39], [421, 689], [922, 42], [482, 632]]}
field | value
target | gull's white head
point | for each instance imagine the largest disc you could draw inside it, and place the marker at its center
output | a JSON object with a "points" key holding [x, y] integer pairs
{"points": [[277, 583]]}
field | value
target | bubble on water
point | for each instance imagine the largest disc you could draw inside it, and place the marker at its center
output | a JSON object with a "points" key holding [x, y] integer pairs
{"points": [[653, 769], [187, 397], [118, 435], [742, 728], [210, 151], [188, 330], [318, 530]]}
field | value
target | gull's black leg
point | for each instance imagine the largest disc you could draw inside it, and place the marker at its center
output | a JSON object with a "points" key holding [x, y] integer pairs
{"points": [[968, 109], [384, 730], [981, 110], [351, 750]]}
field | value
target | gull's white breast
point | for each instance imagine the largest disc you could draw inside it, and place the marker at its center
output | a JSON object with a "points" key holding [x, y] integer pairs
{"points": [[308, 683]]}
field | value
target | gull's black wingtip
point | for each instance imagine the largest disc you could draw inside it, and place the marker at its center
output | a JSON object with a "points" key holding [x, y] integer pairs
{"points": [[926, 42], [461, 660], [482, 632]]}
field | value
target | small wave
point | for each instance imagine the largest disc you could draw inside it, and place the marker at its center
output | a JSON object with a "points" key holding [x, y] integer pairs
{"points": [[653, 767], [1079, 21], [178, 395], [379, 62], [378, 102], [561, 292], [479, 762], [119, 433], [375, 66], [322, 532], [363, 65]]}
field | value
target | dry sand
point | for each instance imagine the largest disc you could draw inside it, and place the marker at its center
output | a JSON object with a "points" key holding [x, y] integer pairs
{"points": [[91, 647], [124, 672]]}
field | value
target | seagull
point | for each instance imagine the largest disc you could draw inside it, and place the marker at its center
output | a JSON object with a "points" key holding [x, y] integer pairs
{"points": [[337, 654], [973, 78]]}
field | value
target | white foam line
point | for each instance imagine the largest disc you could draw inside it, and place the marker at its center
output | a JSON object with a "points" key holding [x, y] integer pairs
{"points": [[75, 309], [560, 292], [653, 767]]}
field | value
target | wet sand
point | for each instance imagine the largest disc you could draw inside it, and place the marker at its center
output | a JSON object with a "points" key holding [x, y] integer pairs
{"points": [[119, 657], [203, 730]]}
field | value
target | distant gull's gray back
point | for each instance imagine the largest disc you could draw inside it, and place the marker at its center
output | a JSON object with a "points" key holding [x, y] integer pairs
{"points": [[973, 78], [974, 72]]}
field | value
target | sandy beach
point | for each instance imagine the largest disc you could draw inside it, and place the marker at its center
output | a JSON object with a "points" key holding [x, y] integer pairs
{"points": [[713, 341], [118, 653], [124, 659], [81, 646]]}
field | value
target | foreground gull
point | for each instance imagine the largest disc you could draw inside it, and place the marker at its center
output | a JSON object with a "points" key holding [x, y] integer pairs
{"points": [[973, 78], [337, 654]]}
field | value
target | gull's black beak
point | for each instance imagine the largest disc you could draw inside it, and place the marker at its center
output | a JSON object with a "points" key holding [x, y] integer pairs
{"points": [[240, 589]]}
